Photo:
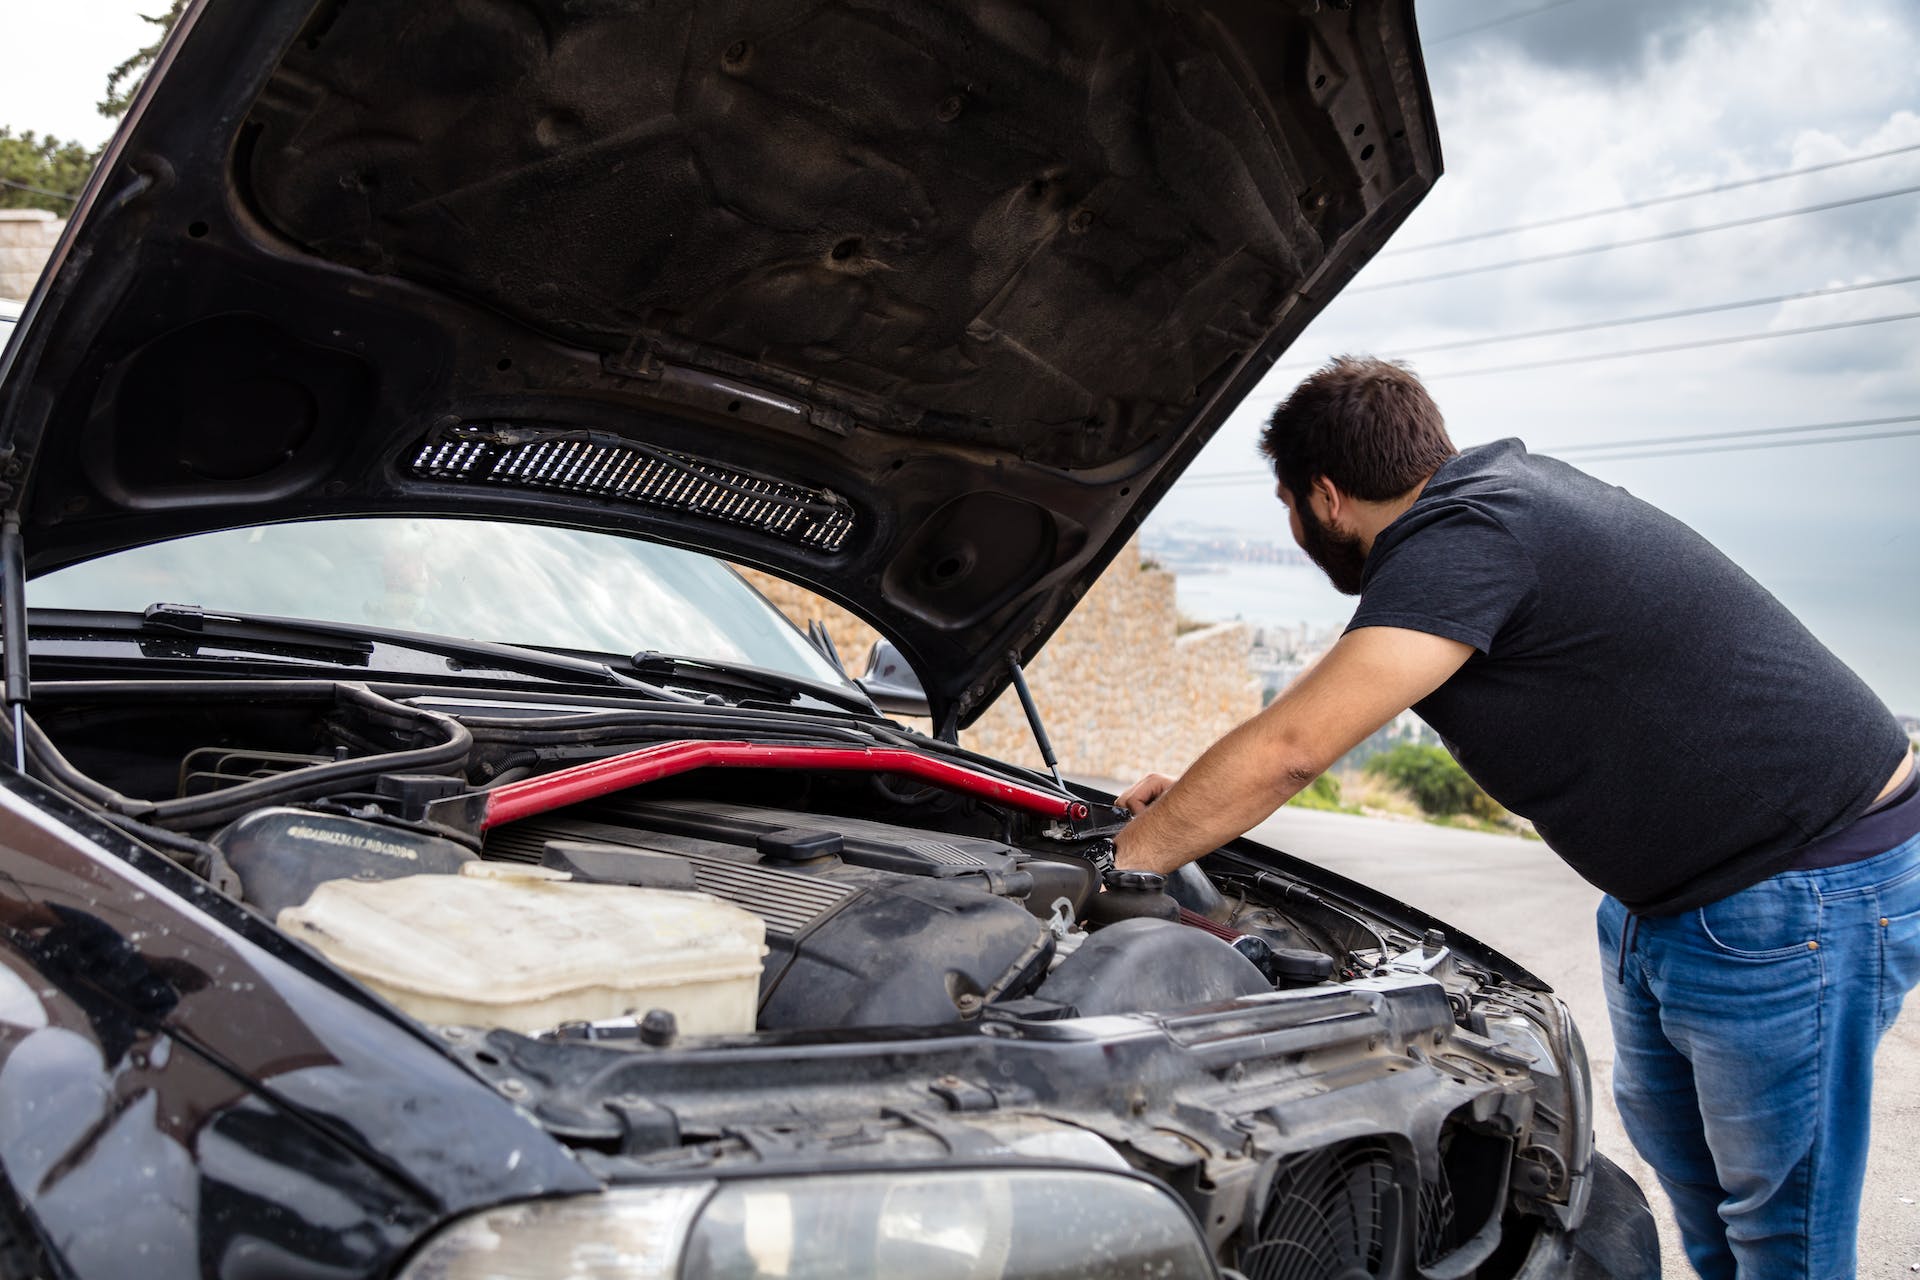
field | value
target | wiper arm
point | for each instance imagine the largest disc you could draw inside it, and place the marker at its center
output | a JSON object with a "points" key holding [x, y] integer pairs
{"points": [[355, 642], [653, 662], [192, 621]]}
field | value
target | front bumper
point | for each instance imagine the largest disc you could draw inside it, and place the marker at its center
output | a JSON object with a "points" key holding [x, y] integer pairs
{"points": [[1616, 1240]]}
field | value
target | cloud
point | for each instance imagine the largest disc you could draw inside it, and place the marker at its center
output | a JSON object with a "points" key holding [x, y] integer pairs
{"points": [[1545, 116], [1605, 40]]}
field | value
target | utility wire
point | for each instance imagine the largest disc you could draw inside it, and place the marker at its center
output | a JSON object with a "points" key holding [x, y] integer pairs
{"points": [[1496, 22], [1696, 344], [1666, 347], [1618, 450], [38, 191], [1742, 448], [1648, 203], [1619, 321], [1612, 445], [1680, 234]]}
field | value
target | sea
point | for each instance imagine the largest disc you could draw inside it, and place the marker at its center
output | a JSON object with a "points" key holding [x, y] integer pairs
{"points": [[1268, 595], [1286, 595]]}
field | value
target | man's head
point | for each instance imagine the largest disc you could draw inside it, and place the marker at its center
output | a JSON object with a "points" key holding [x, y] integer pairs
{"points": [[1351, 441]]}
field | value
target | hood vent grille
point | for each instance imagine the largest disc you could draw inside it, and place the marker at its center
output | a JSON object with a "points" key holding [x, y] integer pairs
{"points": [[621, 471]]}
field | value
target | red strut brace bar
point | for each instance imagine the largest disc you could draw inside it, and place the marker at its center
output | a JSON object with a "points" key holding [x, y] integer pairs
{"points": [[549, 791]]}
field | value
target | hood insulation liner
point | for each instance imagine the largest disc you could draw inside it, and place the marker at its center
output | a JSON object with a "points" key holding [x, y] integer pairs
{"points": [[619, 470], [920, 305]]}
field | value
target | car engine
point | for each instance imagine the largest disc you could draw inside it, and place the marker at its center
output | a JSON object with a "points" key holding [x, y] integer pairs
{"points": [[869, 921], [905, 926]]}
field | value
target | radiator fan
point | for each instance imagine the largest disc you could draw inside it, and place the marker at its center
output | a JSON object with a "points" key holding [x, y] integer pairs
{"points": [[1331, 1214]]}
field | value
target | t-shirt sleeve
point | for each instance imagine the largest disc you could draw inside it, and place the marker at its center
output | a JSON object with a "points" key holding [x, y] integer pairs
{"points": [[1458, 574]]}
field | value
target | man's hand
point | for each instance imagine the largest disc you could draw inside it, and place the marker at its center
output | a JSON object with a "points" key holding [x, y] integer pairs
{"points": [[1137, 797], [1370, 676]]}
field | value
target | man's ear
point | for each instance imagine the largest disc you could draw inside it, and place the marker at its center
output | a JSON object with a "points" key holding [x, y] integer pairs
{"points": [[1334, 501]]}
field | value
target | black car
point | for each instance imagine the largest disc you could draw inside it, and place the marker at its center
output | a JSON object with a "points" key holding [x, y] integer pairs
{"points": [[422, 855]]}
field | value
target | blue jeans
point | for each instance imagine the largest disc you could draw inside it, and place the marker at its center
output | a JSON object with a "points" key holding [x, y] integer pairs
{"points": [[1743, 1037]]}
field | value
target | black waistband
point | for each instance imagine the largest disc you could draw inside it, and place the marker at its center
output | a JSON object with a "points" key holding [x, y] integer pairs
{"points": [[1889, 822]]}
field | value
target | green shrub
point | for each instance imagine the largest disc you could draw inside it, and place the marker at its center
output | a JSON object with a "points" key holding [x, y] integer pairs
{"points": [[1438, 784], [55, 170], [1322, 793]]}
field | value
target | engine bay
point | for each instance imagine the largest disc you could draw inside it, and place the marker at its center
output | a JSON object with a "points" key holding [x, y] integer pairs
{"points": [[721, 937], [884, 900]]}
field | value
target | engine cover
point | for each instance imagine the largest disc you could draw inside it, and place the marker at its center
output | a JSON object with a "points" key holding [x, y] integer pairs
{"points": [[921, 935]]}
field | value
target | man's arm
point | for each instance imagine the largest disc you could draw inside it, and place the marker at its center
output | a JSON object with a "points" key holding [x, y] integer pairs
{"points": [[1370, 676]]}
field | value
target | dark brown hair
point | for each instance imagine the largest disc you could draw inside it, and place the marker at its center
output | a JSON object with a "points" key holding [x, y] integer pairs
{"points": [[1365, 424]]}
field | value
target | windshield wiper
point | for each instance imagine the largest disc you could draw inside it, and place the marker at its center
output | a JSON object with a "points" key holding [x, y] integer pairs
{"points": [[653, 662], [193, 622], [352, 643]]}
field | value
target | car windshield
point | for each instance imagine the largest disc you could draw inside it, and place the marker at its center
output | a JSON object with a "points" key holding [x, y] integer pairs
{"points": [[511, 583]]}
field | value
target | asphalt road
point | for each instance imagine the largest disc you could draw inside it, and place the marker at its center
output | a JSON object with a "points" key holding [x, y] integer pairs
{"points": [[1517, 897]]}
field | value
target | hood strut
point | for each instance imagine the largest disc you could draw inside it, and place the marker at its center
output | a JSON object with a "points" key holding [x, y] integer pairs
{"points": [[13, 616], [1033, 718]]}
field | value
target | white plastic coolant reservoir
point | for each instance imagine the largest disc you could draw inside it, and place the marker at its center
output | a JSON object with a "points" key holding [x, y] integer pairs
{"points": [[527, 949]]}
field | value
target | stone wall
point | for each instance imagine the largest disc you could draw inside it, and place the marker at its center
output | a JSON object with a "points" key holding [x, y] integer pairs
{"points": [[27, 237], [1122, 690]]}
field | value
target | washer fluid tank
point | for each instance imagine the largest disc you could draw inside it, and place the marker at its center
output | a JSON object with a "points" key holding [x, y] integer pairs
{"points": [[527, 948]]}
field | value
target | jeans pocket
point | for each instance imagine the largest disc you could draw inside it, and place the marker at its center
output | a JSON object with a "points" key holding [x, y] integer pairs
{"points": [[1899, 944], [1771, 920]]}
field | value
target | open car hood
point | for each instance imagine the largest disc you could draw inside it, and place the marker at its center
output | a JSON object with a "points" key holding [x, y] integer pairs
{"points": [[921, 305]]}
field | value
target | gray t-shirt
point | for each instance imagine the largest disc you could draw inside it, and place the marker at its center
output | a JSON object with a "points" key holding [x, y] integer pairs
{"points": [[1671, 730]]}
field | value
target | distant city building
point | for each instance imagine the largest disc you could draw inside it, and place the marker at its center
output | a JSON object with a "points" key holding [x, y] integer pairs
{"points": [[1279, 655], [1177, 547]]}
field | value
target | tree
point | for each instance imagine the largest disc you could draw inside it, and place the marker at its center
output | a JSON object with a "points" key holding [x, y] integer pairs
{"points": [[47, 173], [1437, 782], [124, 80], [41, 173]]}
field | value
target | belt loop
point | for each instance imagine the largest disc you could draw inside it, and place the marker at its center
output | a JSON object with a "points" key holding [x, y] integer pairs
{"points": [[1628, 933]]}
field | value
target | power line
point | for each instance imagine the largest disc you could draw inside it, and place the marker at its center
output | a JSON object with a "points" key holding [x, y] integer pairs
{"points": [[1680, 234], [38, 191], [1742, 448], [1621, 450], [1667, 347], [1744, 433], [1648, 203], [1496, 22], [1620, 321]]}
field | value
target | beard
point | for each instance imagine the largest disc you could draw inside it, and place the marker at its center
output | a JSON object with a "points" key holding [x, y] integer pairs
{"points": [[1340, 555]]}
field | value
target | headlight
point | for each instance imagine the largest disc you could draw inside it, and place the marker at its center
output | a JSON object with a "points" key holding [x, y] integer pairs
{"points": [[1013, 1224], [621, 1235]]}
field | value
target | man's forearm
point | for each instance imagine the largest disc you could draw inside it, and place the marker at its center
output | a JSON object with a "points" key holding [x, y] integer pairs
{"points": [[1230, 790], [1369, 676]]}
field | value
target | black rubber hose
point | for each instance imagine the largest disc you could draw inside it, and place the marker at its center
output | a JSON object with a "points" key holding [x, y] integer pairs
{"points": [[45, 761], [907, 798], [749, 722], [590, 727], [219, 807], [449, 756], [197, 856]]}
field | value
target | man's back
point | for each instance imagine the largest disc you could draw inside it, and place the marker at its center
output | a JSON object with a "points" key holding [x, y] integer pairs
{"points": [[1671, 729], [1679, 739]]}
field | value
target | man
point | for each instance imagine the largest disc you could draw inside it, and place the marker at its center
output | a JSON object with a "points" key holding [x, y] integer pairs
{"points": [[1748, 805]]}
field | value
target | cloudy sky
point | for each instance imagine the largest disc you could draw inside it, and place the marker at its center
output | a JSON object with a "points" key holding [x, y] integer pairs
{"points": [[1578, 105], [54, 59], [1549, 108]]}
